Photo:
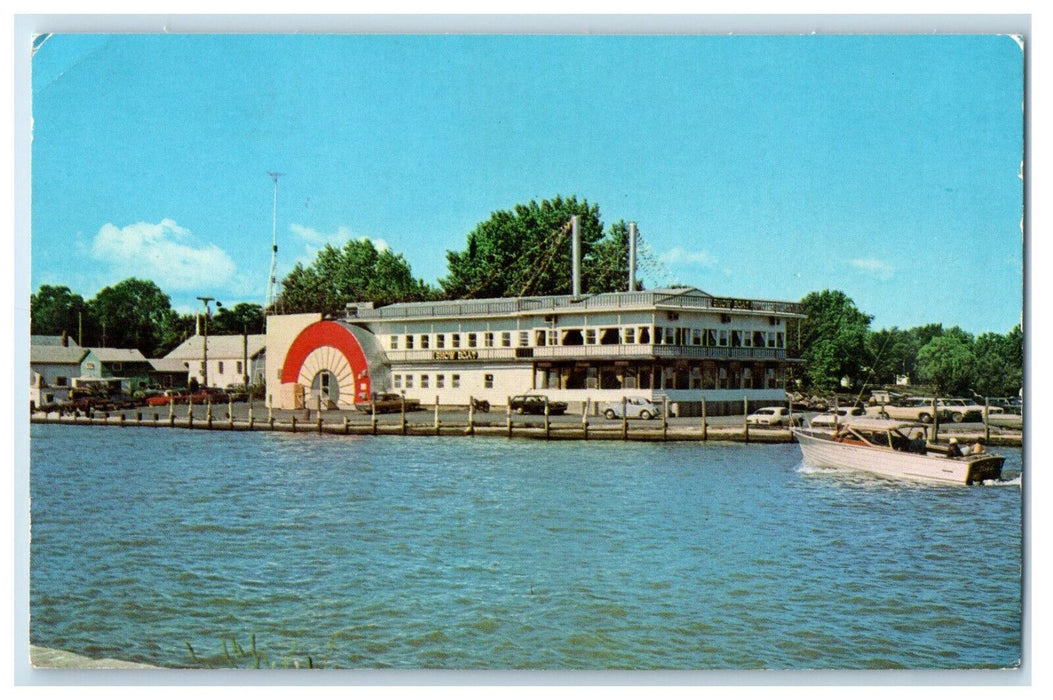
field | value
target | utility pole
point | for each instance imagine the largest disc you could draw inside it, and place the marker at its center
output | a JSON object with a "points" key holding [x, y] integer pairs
{"points": [[272, 280], [204, 345]]}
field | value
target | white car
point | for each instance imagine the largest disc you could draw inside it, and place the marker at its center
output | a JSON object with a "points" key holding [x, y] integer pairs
{"points": [[634, 408], [772, 415], [826, 420]]}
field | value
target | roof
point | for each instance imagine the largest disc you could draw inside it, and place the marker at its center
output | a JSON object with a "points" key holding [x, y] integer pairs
{"points": [[165, 364], [672, 298], [56, 355], [118, 354], [219, 347], [51, 340]]}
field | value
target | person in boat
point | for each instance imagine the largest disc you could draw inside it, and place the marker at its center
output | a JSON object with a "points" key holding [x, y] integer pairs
{"points": [[917, 444], [952, 448], [978, 447]]}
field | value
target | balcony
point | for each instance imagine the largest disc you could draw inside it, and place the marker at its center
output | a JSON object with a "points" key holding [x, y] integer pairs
{"points": [[586, 352]]}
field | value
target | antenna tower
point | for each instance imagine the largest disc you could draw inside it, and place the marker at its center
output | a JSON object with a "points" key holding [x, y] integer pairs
{"points": [[272, 280]]}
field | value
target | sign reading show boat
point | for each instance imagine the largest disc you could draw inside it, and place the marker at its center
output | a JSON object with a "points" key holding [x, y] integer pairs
{"points": [[455, 355]]}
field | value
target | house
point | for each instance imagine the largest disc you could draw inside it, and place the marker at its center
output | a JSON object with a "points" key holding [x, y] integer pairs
{"points": [[53, 369], [231, 359], [129, 365]]}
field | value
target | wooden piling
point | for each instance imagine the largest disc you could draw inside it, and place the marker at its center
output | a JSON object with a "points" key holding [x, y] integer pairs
{"points": [[745, 418], [665, 417], [548, 427], [705, 425], [987, 422], [625, 419]]}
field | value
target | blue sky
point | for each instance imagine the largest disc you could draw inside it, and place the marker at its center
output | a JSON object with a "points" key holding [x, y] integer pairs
{"points": [[756, 166]]}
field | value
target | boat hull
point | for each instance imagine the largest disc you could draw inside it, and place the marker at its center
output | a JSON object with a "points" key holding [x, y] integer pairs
{"points": [[821, 451]]}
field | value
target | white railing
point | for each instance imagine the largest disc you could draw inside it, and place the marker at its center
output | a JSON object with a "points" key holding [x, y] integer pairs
{"points": [[572, 352], [533, 305]]}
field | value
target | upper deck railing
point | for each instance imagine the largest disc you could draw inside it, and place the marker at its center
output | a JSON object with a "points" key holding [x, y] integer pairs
{"points": [[619, 301]]}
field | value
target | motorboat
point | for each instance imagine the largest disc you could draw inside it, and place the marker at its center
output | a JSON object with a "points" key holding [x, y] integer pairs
{"points": [[895, 450]]}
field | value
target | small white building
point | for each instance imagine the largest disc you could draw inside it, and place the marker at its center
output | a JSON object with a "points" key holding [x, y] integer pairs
{"points": [[231, 359]]}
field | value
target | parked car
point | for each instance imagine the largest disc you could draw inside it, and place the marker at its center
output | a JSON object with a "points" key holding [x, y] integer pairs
{"points": [[206, 394], [169, 396], [388, 403], [535, 403], [771, 416], [826, 420], [635, 407], [919, 410]]}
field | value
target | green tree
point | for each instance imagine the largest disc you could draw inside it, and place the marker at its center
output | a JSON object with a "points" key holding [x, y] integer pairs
{"points": [[893, 352], [242, 318], [526, 251], [999, 363], [133, 314], [606, 267], [355, 272], [833, 339], [947, 361], [54, 309]]}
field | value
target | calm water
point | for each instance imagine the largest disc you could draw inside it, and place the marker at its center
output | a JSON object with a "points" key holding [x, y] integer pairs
{"points": [[486, 553]]}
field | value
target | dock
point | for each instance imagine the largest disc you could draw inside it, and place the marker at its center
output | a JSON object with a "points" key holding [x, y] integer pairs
{"points": [[453, 422]]}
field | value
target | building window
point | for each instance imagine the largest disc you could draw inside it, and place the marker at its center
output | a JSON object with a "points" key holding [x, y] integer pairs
{"points": [[409, 381], [710, 338], [394, 342], [609, 336], [758, 339], [506, 339], [696, 336], [778, 340], [488, 381], [630, 336], [736, 340], [455, 381], [669, 336], [488, 339], [240, 369], [539, 337], [424, 341], [409, 342], [60, 381], [659, 335], [219, 366], [423, 381], [455, 340], [396, 381], [440, 340], [590, 336], [471, 340], [645, 335], [524, 339], [553, 337], [440, 381], [722, 340]]}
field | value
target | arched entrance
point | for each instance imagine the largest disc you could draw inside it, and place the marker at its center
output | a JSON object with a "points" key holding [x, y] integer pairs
{"points": [[328, 362]]}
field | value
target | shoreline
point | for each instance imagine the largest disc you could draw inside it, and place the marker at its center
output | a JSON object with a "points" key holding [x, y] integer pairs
{"points": [[423, 423]]}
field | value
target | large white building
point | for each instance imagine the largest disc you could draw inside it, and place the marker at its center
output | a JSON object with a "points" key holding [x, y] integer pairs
{"points": [[681, 344]]}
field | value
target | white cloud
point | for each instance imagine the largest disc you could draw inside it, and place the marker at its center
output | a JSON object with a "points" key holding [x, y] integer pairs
{"points": [[314, 240], [165, 253], [679, 256], [874, 268]]}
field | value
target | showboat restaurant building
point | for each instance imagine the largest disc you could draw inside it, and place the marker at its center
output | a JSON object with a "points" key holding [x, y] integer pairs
{"points": [[677, 344]]}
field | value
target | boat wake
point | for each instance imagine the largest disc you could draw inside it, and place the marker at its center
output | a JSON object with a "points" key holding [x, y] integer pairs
{"points": [[1015, 481]]}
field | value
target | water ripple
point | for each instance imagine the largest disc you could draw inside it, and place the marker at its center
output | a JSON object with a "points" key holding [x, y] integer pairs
{"points": [[415, 552]]}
